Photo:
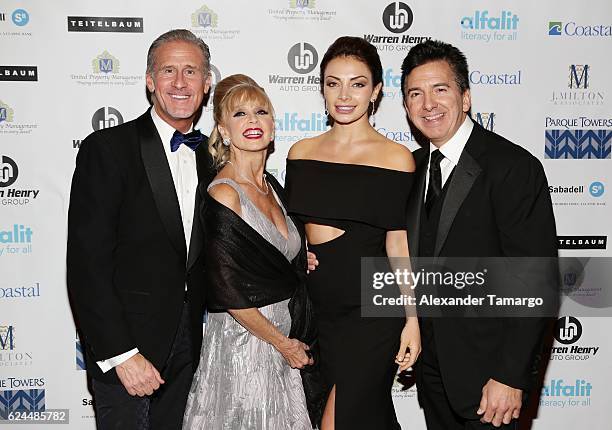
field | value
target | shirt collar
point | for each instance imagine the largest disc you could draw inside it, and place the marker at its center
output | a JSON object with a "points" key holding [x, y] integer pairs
{"points": [[454, 147], [165, 130]]}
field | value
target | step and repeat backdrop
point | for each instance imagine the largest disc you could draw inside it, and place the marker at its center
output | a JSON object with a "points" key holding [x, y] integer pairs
{"points": [[540, 76]]}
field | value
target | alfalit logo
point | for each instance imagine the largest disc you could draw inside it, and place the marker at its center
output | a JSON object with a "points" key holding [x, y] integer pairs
{"points": [[105, 24], [18, 73]]}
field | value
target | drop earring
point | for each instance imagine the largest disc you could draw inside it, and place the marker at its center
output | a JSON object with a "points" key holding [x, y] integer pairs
{"points": [[226, 141], [372, 118], [326, 111]]}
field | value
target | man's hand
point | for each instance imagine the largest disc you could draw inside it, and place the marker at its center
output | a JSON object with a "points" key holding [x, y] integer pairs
{"points": [[499, 403], [312, 261], [139, 376]]}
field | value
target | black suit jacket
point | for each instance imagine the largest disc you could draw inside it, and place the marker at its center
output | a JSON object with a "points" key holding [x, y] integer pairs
{"points": [[127, 259], [497, 205]]}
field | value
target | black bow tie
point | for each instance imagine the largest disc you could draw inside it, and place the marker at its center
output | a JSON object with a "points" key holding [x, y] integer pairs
{"points": [[192, 140]]}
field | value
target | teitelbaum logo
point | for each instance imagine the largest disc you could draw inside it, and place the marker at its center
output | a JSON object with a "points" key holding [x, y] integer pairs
{"points": [[105, 24]]}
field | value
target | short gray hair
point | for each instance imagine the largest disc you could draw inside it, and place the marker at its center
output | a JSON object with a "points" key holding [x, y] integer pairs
{"points": [[182, 35]]}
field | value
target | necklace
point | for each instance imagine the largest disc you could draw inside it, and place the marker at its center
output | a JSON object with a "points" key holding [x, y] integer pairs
{"points": [[248, 181]]}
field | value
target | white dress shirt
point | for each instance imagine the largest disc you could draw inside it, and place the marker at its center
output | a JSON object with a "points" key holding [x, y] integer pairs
{"points": [[183, 167], [451, 151]]}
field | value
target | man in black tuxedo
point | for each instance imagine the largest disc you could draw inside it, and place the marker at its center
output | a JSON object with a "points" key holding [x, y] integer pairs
{"points": [[134, 241], [476, 195]]}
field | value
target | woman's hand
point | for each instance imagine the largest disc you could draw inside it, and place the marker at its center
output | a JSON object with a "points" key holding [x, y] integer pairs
{"points": [[294, 352], [410, 344]]}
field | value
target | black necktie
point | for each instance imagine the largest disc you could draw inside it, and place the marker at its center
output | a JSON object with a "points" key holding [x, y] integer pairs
{"points": [[435, 180]]}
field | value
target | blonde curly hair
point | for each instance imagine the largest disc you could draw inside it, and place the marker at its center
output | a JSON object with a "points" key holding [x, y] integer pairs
{"points": [[229, 93]]}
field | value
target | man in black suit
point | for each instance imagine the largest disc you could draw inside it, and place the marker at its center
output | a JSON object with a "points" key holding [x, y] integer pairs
{"points": [[134, 241], [476, 195]]}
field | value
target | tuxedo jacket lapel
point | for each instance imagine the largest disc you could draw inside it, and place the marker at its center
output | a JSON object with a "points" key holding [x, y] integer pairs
{"points": [[415, 201], [466, 172], [160, 179], [205, 175]]}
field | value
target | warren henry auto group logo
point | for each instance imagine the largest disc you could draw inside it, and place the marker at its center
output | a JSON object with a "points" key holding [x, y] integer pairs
{"points": [[302, 59], [568, 331], [397, 17], [10, 196], [106, 117], [206, 23]]}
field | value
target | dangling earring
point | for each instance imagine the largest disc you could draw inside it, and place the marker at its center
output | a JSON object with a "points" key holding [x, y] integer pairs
{"points": [[372, 118], [326, 112], [226, 141]]}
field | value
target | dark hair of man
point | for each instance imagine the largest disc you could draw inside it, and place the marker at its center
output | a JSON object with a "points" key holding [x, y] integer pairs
{"points": [[359, 49], [436, 50], [183, 36]]}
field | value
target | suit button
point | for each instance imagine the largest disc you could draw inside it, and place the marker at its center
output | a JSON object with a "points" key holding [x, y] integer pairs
{"points": [[427, 234]]}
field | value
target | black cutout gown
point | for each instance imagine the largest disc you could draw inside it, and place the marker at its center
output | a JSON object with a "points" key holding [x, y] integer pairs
{"points": [[356, 353]]}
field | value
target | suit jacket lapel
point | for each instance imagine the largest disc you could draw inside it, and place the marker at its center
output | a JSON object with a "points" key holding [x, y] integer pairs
{"points": [[205, 175], [466, 172], [415, 201], [160, 179]]}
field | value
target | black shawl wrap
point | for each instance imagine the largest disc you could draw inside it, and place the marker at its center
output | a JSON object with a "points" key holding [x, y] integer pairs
{"points": [[243, 270]]}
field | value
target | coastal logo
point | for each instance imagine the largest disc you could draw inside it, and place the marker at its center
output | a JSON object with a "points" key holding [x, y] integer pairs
{"points": [[596, 189], [577, 144], [6, 113], [485, 119], [554, 28], [8, 172], [20, 292], [21, 394], [478, 77], [204, 17], [582, 242], [485, 27], [105, 24], [568, 330], [302, 58], [572, 29], [397, 17], [20, 17], [105, 63], [16, 240], [18, 73], [106, 117]]}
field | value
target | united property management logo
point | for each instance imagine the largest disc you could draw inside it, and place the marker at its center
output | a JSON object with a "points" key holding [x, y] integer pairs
{"points": [[8, 124], [21, 394], [582, 242], [485, 27], [206, 23], [18, 73], [302, 59], [478, 77], [16, 240], [577, 144], [106, 117], [301, 10], [9, 172], [105, 71], [485, 119], [572, 29], [580, 91], [11, 353], [397, 18], [105, 24]]}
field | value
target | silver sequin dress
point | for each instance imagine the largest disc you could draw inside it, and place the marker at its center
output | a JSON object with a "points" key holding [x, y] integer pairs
{"points": [[242, 382]]}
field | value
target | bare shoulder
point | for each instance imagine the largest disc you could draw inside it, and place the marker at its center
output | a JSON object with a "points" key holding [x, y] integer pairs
{"points": [[396, 156], [227, 196], [303, 148]]}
